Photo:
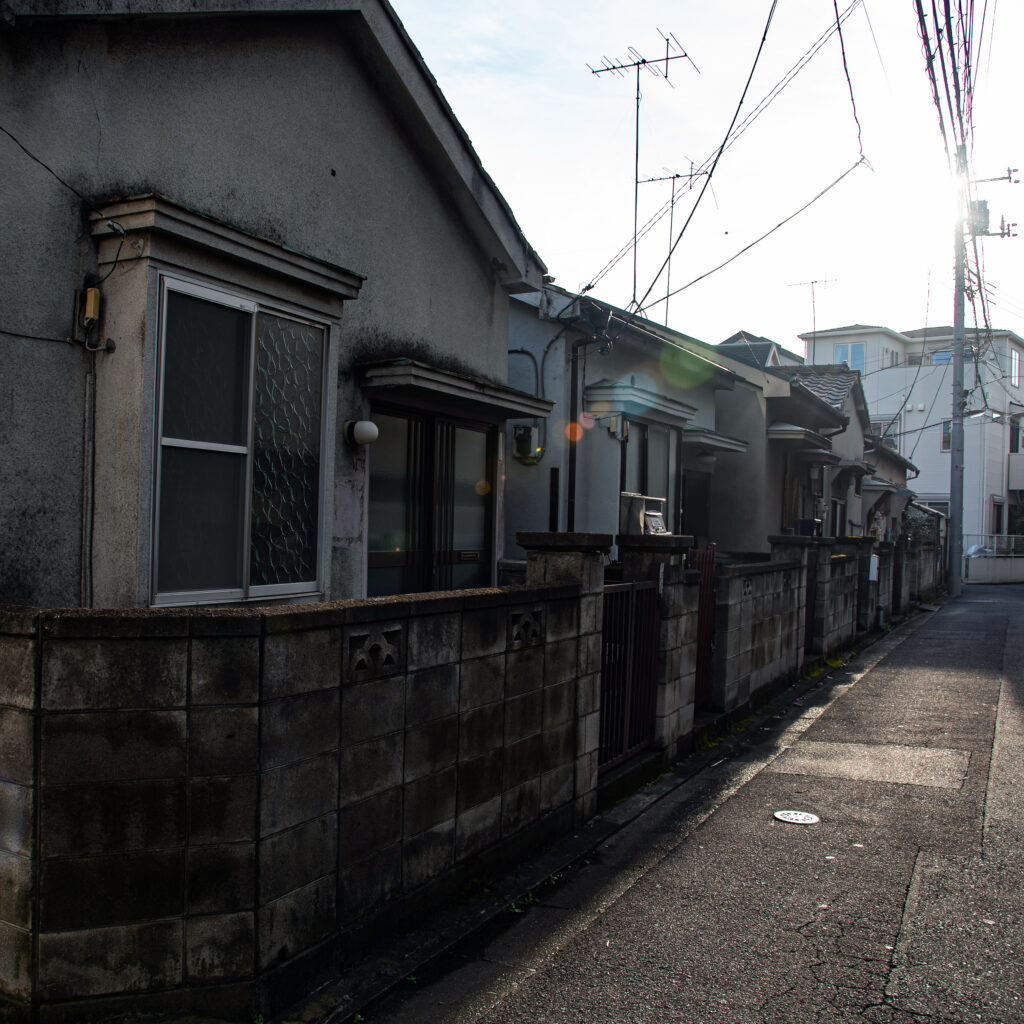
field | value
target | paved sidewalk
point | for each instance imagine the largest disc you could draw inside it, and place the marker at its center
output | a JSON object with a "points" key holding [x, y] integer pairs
{"points": [[904, 904]]}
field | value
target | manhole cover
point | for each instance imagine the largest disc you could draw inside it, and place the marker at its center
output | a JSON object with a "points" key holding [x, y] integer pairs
{"points": [[798, 817]]}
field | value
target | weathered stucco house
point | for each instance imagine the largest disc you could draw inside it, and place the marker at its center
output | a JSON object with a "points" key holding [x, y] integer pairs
{"points": [[635, 412], [219, 269]]}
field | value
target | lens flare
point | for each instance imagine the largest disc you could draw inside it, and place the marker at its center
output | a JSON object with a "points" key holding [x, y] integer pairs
{"points": [[573, 431]]}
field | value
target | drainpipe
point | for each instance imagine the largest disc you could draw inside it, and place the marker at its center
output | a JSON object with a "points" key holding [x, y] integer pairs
{"points": [[574, 430], [88, 483]]}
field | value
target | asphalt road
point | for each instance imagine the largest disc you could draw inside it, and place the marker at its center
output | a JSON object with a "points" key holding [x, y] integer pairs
{"points": [[903, 904]]}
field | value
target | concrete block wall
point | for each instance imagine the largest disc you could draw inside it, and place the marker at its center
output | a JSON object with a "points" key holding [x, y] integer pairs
{"points": [[835, 611], [677, 659], [199, 809], [759, 610], [886, 558]]}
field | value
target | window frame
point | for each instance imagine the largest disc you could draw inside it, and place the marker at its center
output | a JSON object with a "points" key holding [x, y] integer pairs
{"points": [[240, 299], [848, 359], [673, 465], [1014, 366], [945, 435]]}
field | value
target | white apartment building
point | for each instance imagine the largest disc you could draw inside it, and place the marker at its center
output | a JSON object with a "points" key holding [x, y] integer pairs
{"points": [[908, 383]]}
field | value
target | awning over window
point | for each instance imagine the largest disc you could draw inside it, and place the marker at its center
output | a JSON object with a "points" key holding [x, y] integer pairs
{"points": [[622, 397], [711, 442], [427, 387]]}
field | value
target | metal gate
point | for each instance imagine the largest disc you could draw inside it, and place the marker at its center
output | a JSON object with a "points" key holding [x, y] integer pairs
{"points": [[703, 561], [629, 670]]}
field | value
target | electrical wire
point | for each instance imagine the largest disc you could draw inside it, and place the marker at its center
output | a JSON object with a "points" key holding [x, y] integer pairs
{"points": [[846, 71], [33, 337], [742, 127], [721, 149], [747, 248]]}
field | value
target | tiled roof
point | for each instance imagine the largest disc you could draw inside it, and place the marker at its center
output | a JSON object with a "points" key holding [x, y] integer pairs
{"points": [[830, 383]]}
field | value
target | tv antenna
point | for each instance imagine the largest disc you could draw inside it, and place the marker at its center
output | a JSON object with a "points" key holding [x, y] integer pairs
{"points": [[659, 68], [675, 178], [814, 312]]}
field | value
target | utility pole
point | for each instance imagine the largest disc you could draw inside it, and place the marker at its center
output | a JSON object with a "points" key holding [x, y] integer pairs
{"points": [[977, 227], [956, 444]]}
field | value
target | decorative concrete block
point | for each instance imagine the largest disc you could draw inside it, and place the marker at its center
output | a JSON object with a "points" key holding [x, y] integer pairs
{"points": [[225, 670], [91, 892], [428, 855], [428, 802], [526, 627], [375, 650], [148, 672], [299, 727], [434, 640], [220, 948], [222, 810], [221, 878], [298, 792], [107, 961], [481, 731], [114, 817], [294, 858], [477, 828], [101, 746], [432, 693], [300, 662], [369, 826], [481, 681], [372, 709], [431, 747], [293, 923]]}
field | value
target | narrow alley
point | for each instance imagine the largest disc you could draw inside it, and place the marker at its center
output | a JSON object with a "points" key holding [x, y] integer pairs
{"points": [[903, 903]]}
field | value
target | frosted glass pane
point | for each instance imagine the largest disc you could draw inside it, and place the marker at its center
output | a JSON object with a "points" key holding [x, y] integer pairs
{"points": [[201, 513], [286, 451], [206, 371]]}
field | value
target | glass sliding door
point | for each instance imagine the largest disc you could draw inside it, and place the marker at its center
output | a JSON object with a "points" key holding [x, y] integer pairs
{"points": [[430, 505]]}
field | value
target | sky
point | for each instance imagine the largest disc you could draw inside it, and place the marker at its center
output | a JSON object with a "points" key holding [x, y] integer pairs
{"points": [[560, 143]]}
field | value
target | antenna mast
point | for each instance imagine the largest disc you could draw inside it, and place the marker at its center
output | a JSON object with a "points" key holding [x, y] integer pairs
{"points": [[673, 51]]}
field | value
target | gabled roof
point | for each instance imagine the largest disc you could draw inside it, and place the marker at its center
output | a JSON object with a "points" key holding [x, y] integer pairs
{"points": [[832, 384], [403, 79], [758, 351]]}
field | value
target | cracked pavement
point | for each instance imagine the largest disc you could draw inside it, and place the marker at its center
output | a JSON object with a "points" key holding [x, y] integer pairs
{"points": [[904, 904]]}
